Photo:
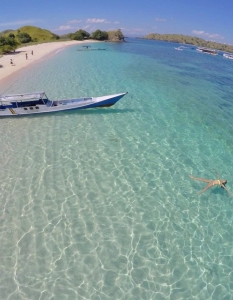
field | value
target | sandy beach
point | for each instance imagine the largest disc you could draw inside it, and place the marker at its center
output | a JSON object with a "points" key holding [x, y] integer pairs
{"points": [[25, 56]]}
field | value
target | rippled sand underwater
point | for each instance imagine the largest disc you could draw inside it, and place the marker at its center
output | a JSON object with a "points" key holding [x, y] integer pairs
{"points": [[98, 204]]}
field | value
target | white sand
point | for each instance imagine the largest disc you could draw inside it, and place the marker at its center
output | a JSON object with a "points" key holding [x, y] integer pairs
{"points": [[39, 51]]}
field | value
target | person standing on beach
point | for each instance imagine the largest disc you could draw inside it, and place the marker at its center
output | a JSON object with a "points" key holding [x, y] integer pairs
{"points": [[26, 56], [211, 183], [11, 61], [32, 52]]}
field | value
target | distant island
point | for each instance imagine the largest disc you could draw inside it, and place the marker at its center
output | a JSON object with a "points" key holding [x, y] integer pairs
{"points": [[10, 39], [186, 39]]}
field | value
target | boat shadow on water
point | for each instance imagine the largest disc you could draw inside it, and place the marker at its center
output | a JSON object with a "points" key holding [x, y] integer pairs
{"points": [[100, 111], [93, 111]]}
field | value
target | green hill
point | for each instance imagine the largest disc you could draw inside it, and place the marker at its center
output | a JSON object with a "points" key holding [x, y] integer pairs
{"points": [[5, 31], [37, 34], [186, 39]]}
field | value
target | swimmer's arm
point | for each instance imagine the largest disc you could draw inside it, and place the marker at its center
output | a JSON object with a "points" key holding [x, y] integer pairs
{"points": [[217, 175], [222, 185]]}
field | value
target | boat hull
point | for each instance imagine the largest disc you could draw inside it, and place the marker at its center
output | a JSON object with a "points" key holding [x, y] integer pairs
{"points": [[229, 56], [60, 105]]}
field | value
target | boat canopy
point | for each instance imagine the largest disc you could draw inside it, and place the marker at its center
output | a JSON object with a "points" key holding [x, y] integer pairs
{"points": [[22, 97]]}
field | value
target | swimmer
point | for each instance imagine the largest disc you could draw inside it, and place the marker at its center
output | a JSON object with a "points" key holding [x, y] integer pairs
{"points": [[211, 183]]}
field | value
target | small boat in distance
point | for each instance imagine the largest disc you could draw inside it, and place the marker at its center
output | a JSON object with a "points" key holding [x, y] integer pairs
{"points": [[207, 50], [228, 55], [179, 48], [37, 103], [89, 48]]}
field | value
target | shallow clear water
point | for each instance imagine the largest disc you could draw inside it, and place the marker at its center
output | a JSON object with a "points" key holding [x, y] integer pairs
{"points": [[98, 204]]}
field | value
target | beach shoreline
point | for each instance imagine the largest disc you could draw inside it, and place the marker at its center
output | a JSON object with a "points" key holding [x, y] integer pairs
{"points": [[25, 56]]}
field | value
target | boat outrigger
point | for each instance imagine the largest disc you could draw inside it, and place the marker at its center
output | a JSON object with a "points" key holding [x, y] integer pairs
{"points": [[89, 48], [35, 103]]}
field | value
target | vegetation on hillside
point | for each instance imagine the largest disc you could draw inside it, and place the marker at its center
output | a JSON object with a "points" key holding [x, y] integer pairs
{"points": [[37, 34], [186, 39], [23, 37]]}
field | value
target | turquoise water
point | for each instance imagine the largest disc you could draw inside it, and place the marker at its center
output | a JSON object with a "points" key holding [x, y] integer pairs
{"points": [[98, 204]]}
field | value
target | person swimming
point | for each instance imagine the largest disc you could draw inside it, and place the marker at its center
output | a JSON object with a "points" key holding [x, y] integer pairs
{"points": [[219, 182]]}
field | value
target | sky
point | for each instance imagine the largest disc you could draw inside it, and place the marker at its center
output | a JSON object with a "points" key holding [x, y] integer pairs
{"points": [[208, 19]]}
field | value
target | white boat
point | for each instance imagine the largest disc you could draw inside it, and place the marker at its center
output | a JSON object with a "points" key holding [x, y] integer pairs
{"points": [[179, 48], [228, 55], [207, 50], [37, 103]]}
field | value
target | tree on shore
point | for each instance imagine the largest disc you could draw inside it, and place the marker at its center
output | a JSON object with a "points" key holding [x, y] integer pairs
{"points": [[79, 35], [7, 44], [99, 35]]}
